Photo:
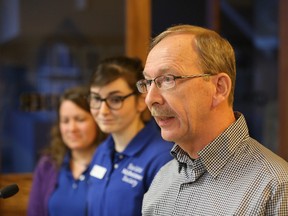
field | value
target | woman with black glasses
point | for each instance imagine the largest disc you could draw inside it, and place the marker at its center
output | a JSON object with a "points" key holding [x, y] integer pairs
{"points": [[125, 164]]}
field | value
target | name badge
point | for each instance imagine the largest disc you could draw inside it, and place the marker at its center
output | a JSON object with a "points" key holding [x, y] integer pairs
{"points": [[98, 171]]}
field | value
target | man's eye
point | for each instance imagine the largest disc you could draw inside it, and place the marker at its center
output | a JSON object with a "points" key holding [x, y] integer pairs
{"points": [[167, 78]]}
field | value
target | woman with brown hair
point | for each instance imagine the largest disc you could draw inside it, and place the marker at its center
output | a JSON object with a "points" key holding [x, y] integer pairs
{"points": [[125, 164], [60, 179]]}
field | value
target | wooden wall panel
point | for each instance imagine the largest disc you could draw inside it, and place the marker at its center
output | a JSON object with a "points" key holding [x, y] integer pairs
{"points": [[213, 15], [283, 79], [138, 28]]}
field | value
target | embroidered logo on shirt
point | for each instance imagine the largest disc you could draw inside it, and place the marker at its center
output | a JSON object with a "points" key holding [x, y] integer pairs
{"points": [[132, 174]]}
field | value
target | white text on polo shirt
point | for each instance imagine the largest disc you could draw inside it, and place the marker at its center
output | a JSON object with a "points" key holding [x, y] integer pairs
{"points": [[132, 174]]}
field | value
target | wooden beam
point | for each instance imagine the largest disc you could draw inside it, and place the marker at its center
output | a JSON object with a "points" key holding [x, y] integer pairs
{"points": [[138, 28], [213, 14], [283, 79]]}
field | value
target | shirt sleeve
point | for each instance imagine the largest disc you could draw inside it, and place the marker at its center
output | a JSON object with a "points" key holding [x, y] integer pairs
{"points": [[44, 180], [278, 203]]}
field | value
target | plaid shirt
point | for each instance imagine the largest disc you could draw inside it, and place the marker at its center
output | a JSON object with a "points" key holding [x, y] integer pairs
{"points": [[234, 175]]}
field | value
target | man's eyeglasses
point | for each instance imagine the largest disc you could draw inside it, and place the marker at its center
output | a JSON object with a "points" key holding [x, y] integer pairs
{"points": [[164, 82], [113, 102]]}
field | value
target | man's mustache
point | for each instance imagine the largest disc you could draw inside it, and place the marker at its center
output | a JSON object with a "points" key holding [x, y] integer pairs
{"points": [[161, 111]]}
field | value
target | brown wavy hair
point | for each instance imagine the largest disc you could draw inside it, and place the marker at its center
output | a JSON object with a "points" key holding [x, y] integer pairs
{"points": [[57, 148]]}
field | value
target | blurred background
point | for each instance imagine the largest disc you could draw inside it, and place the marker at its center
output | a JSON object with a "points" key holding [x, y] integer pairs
{"points": [[47, 46]]}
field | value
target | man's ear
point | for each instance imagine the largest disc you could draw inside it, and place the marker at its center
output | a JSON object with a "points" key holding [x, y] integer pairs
{"points": [[222, 84]]}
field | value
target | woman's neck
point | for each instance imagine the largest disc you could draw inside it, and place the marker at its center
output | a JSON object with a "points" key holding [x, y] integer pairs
{"points": [[80, 160], [83, 155], [123, 138]]}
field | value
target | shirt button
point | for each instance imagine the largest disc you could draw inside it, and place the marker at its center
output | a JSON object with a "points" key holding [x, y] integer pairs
{"points": [[81, 177], [120, 156], [74, 186], [116, 166]]}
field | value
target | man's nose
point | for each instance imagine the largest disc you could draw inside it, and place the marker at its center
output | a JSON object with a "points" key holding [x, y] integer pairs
{"points": [[153, 95]]}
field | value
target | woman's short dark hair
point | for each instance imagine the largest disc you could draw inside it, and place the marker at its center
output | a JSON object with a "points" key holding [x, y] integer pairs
{"points": [[110, 69]]}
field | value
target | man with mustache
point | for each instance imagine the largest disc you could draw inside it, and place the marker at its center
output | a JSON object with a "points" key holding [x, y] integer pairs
{"points": [[218, 169]]}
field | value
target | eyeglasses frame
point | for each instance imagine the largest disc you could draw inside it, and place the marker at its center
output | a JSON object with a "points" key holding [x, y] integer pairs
{"points": [[122, 98], [149, 82]]}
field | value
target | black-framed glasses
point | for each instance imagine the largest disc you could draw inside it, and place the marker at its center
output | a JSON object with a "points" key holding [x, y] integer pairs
{"points": [[114, 102], [164, 82]]}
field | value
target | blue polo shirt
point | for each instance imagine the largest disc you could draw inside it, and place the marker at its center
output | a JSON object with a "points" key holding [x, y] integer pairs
{"points": [[69, 196], [118, 181]]}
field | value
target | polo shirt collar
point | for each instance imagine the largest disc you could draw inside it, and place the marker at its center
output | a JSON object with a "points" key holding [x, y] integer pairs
{"points": [[66, 160], [139, 142]]}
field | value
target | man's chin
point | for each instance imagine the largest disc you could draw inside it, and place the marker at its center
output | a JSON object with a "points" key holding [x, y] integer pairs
{"points": [[167, 136]]}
